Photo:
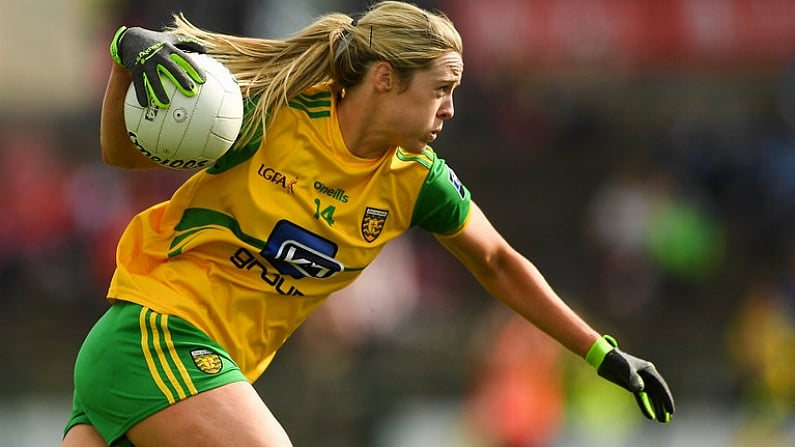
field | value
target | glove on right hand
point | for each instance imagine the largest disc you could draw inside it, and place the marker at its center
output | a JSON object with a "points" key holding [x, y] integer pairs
{"points": [[637, 376], [146, 54]]}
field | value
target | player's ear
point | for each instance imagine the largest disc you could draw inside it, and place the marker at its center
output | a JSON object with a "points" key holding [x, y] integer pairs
{"points": [[383, 76]]}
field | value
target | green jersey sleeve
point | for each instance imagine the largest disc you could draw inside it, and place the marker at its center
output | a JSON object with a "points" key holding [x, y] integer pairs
{"points": [[443, 203]]}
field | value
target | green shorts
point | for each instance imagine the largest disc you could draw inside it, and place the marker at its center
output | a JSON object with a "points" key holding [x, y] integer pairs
{"points": [[135, 362]]}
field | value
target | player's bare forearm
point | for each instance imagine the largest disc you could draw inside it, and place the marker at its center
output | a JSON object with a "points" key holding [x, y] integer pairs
{"points": [[518, 284], [117, 149], [514, 280]]}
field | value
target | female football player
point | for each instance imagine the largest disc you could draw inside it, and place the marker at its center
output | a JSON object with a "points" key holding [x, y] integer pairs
{"points": [[210, 283]]}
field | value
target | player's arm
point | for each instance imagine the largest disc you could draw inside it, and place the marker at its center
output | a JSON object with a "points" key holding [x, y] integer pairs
{"points": [[117, 148], [514, 280]]}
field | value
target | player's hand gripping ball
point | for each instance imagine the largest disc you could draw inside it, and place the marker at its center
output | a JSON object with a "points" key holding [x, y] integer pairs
{"points": [[193, 131], [148, 55]]}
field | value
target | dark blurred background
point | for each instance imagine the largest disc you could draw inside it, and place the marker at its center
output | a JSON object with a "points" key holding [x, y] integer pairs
{"points": [[640, 152]]}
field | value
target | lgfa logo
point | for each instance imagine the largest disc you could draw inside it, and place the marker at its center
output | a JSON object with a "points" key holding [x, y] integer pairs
{"points": [[277, 178]]}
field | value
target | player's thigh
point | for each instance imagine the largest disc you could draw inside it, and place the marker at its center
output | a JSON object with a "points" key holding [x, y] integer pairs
{"points": [[231, 415], [83, 435]]}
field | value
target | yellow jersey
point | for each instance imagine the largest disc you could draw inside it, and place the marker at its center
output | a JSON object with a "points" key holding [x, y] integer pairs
{"points": [[246, 249]]}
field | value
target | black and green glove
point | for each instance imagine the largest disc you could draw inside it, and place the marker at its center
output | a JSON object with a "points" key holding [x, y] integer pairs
{"points": [[146, 54], [638, 376]]}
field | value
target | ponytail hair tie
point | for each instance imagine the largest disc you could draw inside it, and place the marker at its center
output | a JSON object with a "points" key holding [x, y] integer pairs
{"points": [[345, 40]]}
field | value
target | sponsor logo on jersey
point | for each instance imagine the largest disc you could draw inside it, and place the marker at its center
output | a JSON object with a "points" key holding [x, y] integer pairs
{"points": [[456, 183], [207, 361], [334, 193], [277, 178], [373, 223], [299, 253], [246, 260]]}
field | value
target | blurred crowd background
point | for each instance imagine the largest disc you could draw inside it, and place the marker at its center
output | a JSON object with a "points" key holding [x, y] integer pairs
{"points": [[640, 152]]}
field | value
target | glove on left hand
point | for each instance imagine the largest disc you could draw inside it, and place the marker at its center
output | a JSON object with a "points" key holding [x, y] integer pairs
{"points": [[636, 375], [146, 54]]}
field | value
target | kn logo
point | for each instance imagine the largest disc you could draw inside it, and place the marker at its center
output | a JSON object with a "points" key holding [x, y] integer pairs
{"points": [[299, 253]]}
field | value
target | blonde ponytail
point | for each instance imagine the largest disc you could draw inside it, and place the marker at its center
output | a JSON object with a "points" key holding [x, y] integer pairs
{"points": [[335, 48]]}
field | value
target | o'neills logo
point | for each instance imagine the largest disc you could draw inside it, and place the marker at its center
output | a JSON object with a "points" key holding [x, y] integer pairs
{"points": [[373, 223], [277, 178], [334, 193]]}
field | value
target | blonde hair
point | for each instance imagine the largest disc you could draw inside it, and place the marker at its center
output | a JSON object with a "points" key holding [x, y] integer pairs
{"points": [[335, 48]]}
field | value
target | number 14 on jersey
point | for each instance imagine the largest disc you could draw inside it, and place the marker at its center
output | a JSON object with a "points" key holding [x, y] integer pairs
{"points": [[326, 213]]}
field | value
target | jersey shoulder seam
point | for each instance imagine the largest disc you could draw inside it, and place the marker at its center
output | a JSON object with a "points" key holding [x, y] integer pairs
{"points": [[427, 158]]}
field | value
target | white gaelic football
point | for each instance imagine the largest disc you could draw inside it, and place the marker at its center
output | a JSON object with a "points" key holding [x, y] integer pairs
{"points": [[193, 131]]}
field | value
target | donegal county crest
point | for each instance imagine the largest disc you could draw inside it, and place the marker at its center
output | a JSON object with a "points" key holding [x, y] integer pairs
{"points": [[373, 223], [207, 361]]}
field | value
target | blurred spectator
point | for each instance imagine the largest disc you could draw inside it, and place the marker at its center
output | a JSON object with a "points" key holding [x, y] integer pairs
{"points": [[100, 205], [620, 215], [684, 239], [35, 231], [516, 399], [761, 344], [34, 220]]}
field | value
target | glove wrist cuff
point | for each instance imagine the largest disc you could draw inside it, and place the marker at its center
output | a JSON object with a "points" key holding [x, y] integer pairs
{"points": [[114, 45], [599, 350]]}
